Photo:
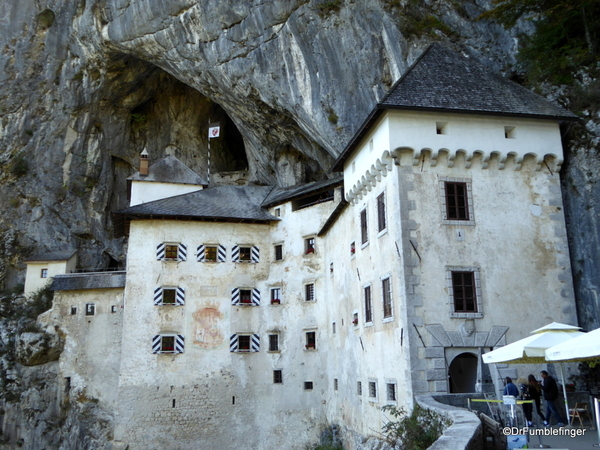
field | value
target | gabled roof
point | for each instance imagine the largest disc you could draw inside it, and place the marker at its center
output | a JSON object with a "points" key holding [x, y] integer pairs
{"points": [[282, 195], [444, 81], [62, 255], [228, 203], [170, 170], [103, 280]]}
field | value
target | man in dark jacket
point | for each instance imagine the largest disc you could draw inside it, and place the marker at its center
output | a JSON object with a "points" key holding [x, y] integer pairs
{"points": [[550, 389]]}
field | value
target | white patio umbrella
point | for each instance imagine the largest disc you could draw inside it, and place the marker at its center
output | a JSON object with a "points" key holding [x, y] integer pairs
{"points": [[532, 349], [582, 348]]}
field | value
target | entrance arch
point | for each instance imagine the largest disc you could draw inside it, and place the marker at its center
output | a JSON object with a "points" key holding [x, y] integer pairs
{"points": [[462, 373]]}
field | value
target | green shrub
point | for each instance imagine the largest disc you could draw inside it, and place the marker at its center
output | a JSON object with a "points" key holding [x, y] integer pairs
{"points": [[46, 18], [328, 7], [416, 431], [19, 165]]}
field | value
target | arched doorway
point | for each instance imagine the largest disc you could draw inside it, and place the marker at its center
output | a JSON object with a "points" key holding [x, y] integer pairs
{"points": [[462, 374]]}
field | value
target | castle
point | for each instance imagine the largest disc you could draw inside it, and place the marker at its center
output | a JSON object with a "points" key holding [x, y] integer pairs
{"points": [[251, 316]]}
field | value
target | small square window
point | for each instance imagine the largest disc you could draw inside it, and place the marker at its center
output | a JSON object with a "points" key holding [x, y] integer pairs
{"points": [[372, 389], [167, 344], [245, 254], [44, 273], [309, 245], [308, 385], [210, 253], [335, 384], [359, 388], [510, 132], [169, 296], [244, 343], [246, 296], [391, 392], [278, 252], [171, 251], [275, 296], [90, 309], [273, 342], [278, 376], [311, 340], [113, 309], [277, 212], [309, 292], [441, 127], [73, 310]]}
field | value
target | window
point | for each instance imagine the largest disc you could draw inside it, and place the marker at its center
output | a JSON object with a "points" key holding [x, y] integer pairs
{"points": [[457, 206], [278, 376], [278, 252], [386, 293], [463, 292], [308, 385], [73, 310], [211, 253], [90, 309], [245, 254], [391, 392], [359, 388], [364, 231], [113, 308], [381, 223], [352, 248], [441, 127], [333, 327], [335, 384], [509, 132], [174, 296], [309, 245], [277, 212], [273, 342], [244, 343], [368, 304], [355, 319], [311, 340], [44, 273], [276, 296], [171, 252], [373, 389], [245, 296], [309, 292], [168, 343]]}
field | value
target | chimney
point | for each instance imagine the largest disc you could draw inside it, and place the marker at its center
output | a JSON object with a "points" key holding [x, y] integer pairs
{"points": [[144, 162]]}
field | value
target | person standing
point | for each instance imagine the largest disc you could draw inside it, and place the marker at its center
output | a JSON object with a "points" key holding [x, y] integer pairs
{"points": [[535, 392], [550, 395], [527, 407], [510, 388]]}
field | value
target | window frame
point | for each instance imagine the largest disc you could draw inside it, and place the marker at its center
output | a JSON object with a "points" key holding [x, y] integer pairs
{"points": [[275, 299], [165, 251], [278, 252], [372, 390], [177, 347], [368, 303], [364, 227], [446, 220], [90, 309], [274, 343], [477, 301], [381, 214], [252, 338], [391, 391], [310, 339], [277, 376], [310, 245], [178, 291], [387, 302], [44, 273], [310, 292]]}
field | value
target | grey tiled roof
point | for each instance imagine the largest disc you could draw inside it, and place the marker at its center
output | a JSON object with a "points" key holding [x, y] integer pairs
{"points": [[62, 255], [444, 80], [170, 170], [282, 195], [241, 203], [79, 281]]}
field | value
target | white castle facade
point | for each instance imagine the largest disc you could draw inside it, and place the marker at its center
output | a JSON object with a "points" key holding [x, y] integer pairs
{"points": [[252, 316]]}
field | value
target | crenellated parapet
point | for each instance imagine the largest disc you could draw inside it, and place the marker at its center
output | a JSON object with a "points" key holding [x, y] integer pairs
{"points": [[460, 158]]}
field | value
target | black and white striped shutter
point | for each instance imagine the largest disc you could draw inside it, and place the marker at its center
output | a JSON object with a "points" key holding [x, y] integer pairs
{"points": [[156, 343], [179, 343], [255, 342], [160, 251], [180, 296], [200, 253], [221, 253], [233, 343], [182, 252], [255, 255], [235, 253], [235, 296], [256, 297], [158, 298]]}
